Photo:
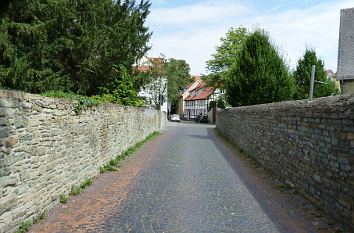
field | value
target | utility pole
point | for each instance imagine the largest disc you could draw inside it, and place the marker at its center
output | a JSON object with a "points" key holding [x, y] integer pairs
{"points": [[312, 81]]}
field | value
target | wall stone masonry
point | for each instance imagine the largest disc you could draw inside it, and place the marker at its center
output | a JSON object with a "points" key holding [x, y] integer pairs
{"points": [[310, 144], [45, 149]]}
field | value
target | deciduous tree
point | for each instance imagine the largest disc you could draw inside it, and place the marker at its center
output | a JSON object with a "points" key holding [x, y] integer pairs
{"points": [[178, 76], [226, 55]]}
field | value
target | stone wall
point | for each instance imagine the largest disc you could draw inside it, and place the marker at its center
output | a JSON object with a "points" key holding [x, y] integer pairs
{"points": [[46, 149], [309, 144]]}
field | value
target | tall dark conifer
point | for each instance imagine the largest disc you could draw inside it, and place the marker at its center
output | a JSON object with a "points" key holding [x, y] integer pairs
{"points": [[260, 75], [302, 74], [70, 45]]}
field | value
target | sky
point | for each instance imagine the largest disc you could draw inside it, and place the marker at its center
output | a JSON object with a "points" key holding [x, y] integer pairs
{"points": [[191, 30]]}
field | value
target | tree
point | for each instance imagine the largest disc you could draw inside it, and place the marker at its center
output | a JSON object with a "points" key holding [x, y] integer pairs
{"points": [[225, 56], [178, 76], [70, 45], [260, 74], [302, 75], [159, 76], [121, 90], [150, 78]]}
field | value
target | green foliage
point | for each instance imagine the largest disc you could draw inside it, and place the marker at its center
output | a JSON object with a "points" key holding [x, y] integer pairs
{"points": [[212, 104], [153, 81], [86, 183], [226, 55], [63, 198], [105, 98], [221, 103], [76, 190], [43, 215], [120, 88], [302, 76], [284, 187], [83, 102], [24, 227], [178, 76], [260, 75], [176, 72], [114, 164], [70, 46]]}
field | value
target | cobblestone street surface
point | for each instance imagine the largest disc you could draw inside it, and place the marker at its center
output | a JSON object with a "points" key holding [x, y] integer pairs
{"points": [[186, 180]]}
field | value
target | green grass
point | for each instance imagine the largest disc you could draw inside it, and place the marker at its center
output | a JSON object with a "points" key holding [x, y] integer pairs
{"points": [[63, 198], [114, 164], [24, 227], [43, 215], [286, 188], [76, 190], [86, 183]]}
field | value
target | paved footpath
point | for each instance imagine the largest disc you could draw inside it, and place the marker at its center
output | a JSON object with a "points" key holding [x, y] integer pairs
{"points": [[186, 180]]}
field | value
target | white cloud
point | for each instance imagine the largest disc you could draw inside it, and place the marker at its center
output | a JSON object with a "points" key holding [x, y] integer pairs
{"points": [[316, 27], [191, 32], [206, 12]]}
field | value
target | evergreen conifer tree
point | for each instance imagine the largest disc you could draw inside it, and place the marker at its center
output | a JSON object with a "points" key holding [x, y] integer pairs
{"points": [[322, 87], [260, 75]]}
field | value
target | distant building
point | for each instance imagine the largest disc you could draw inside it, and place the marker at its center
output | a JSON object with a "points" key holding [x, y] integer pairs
{"points": [[346, 51], [185, 93], [332, 76], [196, 98], [155, 92]]}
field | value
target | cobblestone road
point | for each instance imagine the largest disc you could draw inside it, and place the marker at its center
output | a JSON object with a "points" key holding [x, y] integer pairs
{"points": [[184, 181]]}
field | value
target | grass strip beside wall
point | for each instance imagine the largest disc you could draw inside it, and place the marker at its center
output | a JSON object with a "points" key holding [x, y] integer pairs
{"points": [[115, 163]]}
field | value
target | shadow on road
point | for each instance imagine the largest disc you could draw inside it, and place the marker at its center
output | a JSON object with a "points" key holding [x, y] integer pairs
{"points": [[283, 214], [199, 137]]}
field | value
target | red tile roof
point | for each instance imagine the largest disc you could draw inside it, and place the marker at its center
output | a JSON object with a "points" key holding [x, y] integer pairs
{"points": [[205, 94]]}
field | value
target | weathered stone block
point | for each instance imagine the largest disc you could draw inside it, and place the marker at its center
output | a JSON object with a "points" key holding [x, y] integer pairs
{"points": [[21, 189], [346, 201], [7, 203], [10, 180], [350, 135], [11, 141]]}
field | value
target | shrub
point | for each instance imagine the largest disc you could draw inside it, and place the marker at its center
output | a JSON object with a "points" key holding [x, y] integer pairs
{"points": [[63, 198], [24, 227]]}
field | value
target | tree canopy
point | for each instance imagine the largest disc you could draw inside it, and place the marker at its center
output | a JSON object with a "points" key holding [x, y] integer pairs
{"points": [[260, 74], [154, 74], [178, 75], [225, 56], [70, 45], [322, 87]]}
